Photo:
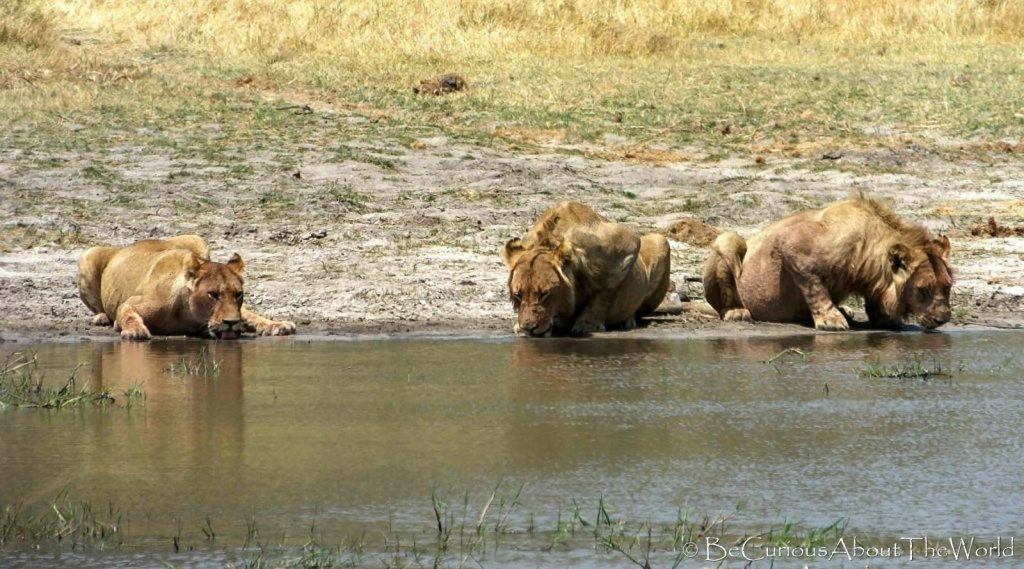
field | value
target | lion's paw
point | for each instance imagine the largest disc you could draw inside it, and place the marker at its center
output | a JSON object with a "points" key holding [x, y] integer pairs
{"points": [[586, 328], [136, 333], [101, 319], [737, 315], [276, 328], [834, 321]]}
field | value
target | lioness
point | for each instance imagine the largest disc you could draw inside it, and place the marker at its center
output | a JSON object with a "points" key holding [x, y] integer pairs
{"points": [[577, 271], [166, 287], [800, 268]]}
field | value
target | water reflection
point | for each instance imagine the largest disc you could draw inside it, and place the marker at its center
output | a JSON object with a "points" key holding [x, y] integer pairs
{"points": [[186, 422], [882, 345], [362, 431]]}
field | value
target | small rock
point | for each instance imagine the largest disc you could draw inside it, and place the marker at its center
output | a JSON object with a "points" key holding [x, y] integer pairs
{"points": [[692, 232], [443, 85], [993, 229]]}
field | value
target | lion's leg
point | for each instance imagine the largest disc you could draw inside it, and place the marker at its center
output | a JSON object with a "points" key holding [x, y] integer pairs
{"points": [[825, 313], [612, 250], [878, 317], [265, 326], [90, 274], [595, 313], [656, 256], [800, 261], [131, 319], [721, 272]]}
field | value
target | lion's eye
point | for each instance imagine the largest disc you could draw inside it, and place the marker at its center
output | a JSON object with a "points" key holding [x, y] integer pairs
{"points": [[215, 295], [238, 296], [924, 293], [517, 297], [544, 295]]}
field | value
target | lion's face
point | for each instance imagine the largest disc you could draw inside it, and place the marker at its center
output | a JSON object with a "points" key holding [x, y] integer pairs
{"points": [[216, 296], [539, 288], [926, 293]]}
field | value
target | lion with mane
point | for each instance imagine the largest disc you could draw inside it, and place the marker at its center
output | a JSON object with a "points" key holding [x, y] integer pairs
{"points": [[169, 287], [579, 272], [800, 268]]}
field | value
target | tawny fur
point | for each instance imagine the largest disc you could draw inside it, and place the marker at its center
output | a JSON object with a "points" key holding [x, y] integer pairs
{"points": [[577, 271], [800, 268], [168, 287]]}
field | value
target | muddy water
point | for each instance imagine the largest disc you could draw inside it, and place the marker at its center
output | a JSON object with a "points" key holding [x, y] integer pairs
{"points": [[357, 435]]}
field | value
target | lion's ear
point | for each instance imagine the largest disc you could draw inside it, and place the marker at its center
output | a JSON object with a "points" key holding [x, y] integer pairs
{"points": [[236, 264], [942, 246], [192, 266], [899, 256], [513, 248], [550, 224], [563, 253]]}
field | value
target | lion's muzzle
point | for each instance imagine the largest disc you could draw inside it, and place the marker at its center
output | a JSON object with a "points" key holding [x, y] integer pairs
{"points": [[533, 328], [227, 330], [932, 322]]}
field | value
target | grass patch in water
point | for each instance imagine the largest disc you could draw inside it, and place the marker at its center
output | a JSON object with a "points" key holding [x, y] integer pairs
{"points": [[132, 394], [78, 525], [202, 364], [915, 369], [453, 534], [22, 385]]}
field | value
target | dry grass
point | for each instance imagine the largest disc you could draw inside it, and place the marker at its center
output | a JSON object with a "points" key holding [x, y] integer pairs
{"points": [[762, 76], [272, 31], [25, 23]]}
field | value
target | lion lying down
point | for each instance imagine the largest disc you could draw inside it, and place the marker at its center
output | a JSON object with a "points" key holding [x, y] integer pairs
{"points": [[800, 268], [168, 287], [576, 271]]}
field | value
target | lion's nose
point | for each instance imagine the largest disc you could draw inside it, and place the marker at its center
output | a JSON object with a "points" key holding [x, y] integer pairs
{"points": [[232, 323]]}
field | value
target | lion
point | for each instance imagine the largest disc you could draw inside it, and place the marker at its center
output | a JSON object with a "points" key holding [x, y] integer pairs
{"points": [[579, 272], [169, 287], [800, 268]]}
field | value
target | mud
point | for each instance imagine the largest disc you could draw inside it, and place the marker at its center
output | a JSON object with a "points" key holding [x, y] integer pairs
{"points": [[394, 237]]}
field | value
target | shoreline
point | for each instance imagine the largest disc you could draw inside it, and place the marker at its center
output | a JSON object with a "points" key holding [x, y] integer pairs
{"points": [[670, 327]]}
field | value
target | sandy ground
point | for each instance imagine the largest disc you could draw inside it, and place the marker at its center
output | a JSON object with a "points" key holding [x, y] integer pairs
{"points": [[406, 237]]}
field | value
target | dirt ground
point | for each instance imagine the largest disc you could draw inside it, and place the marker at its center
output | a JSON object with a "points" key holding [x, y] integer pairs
{"points": [[394, 237]]}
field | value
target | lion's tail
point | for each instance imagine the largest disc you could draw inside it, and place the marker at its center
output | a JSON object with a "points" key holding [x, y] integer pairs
{"points": [[90, 271], [721, 272]]}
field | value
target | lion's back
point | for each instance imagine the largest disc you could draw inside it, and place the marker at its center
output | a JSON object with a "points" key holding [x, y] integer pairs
{"points": [[560, 219], [146, 264]]}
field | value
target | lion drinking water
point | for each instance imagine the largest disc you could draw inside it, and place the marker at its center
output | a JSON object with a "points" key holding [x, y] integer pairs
{"points": [[799, 269], [579, 272], [168, 287]]}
